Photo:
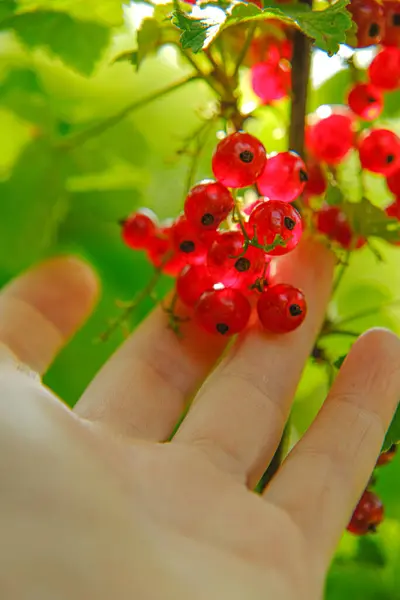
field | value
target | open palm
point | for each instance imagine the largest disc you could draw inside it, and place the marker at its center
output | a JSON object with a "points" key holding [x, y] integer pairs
{"points": [[92, 505]]}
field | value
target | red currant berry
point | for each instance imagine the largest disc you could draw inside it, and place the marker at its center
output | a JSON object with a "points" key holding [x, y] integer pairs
{"points": [[227, 263], [366, 101], [393, 210], [393, 182], [208, 204], [316, 184], [238, 160], [271, 80], [188, 242], [138, 229], [275, 218], [224, 311], [379, 151], [332, 221], [367, 514], [192, 282], [161, 253], [386, 457], [281, 308], [370, 20], [283, 178], [384, 70], [392, 23], [330, 138]]}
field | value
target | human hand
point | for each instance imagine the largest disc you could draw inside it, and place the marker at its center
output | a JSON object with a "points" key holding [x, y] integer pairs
{"points": [[92, 506]]}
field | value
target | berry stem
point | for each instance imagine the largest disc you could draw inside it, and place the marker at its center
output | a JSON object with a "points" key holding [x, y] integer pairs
{"points": [[300, 77], [366, 313], [276, 461], [200, 139], [342, 272], [83, 136], [238, 217], [242, 54]]}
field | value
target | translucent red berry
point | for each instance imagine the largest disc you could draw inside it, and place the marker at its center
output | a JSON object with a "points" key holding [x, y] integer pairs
{"points": [[316, 184], [330, 138], [275, 218], [393, 182], [393, 210], [384, 70], [271, 80], [379, 151], [161, 253], [284, 177], [192, 282], [138, 229], [391, 36], [225, 311], [386, 457], [367, 515], [366, 101], [238, 160], [208, 204], [333, 222], [228, 265], [188, 242], [281, 308], [368, 14]]}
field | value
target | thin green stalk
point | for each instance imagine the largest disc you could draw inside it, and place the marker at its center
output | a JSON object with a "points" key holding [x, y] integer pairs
{"points": [[83, 136], [276, 461], [245, 47], [342, 272]]}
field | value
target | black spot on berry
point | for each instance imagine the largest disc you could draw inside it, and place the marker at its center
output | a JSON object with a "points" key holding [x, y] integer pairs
{"points": [[374, 30], [289, 223], [371, 99], [246, 156], [372, 528], [295, 310], [396, 19], [242, 264], [187, 246], [222, 328], [207, 219], [303, 176], [390, 158]]}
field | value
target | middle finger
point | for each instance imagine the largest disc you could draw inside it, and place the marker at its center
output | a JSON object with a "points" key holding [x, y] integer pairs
{"points": [[239, 413]]}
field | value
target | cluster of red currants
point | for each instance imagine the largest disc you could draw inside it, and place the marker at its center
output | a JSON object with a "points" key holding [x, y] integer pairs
{"points": [[369, 513], [271, 67], [221, 250], [377, 22]]}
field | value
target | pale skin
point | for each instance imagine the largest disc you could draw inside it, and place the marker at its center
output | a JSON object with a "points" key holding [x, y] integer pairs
{"points": [[93, 506]]}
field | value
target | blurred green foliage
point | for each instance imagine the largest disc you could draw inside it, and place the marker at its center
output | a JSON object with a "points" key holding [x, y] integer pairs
{"points": [[58, 78]]}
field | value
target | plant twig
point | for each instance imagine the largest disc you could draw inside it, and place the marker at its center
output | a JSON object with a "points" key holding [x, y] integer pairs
{"points": [[342, 272], [300, 77], [366, 313], [83, 136]]}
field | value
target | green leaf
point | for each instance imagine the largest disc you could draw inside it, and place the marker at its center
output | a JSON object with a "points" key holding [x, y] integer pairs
{"points": [[79, 44], [108, 12], [339, 361], [7, 8], [333, 195], [22, 92], [368, 220], [393, 433], [327, 28]]}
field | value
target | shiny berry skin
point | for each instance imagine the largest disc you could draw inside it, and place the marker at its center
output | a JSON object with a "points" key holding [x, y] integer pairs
{"points": [[238, 160], [161, 253], [386, 457], [281, 308], [192, 282], [188, 242], [329, 139], [384, 70], [138, 229], [276, 218], [393, 183], [316, 184], [366, 101], [367, 514], [391, 10], [271, 80], [370, 20], [208, 204], [228, 265], [379, 151], [284, 177], [225, 311], [393, 210]]}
